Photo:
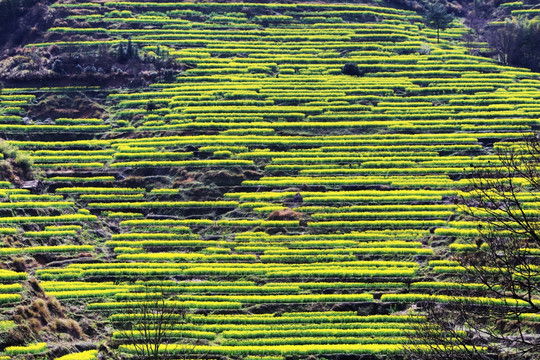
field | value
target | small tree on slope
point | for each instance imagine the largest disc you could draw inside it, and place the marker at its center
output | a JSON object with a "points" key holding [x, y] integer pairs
{"points": [[437, 17]]}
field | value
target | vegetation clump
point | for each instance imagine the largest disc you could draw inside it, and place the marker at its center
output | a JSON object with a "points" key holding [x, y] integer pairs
{"points": [[16, 165], [352, 70]]}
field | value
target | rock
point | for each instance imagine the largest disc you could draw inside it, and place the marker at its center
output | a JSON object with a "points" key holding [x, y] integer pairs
{"points": [[285, 214], [35, 186], [102, 234], [224, 178], [298, 198]]}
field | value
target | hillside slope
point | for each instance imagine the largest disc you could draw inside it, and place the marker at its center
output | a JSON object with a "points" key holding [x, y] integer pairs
{"points": [[214, 156]]}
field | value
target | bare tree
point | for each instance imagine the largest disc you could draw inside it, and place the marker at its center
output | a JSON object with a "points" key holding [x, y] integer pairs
{"points": [[516, 42], [502, 199], [444, 335], [151, 320]]}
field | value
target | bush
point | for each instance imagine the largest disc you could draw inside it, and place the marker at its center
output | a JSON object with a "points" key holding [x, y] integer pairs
{"points": [[24, 161], [9, 151], [352, 70]]}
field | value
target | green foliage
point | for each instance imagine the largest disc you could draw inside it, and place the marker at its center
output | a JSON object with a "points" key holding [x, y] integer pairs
{"points": [[29, 349], [85, 355], [9, 151]]}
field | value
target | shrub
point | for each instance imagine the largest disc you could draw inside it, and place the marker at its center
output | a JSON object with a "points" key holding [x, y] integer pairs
{"points": [[24, 161], [352, 70], [8, 150]]}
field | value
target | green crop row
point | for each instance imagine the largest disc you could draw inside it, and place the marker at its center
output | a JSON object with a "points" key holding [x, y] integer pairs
{"points": [[80, 179], [354, 180], [339, 245], [8, 231], [10, 288], [165, 204], [376, 171], [152, 155], [23, 350], [369, 339], [263, 299], [301, 325], [299, 333], [170, 304], [5, 184], [386, 234], [75, 165], [450, 299], [181, 232], [166, 222], [371, 199], [378, 208], [53, 128], [389, 224], [12, 275], [234, 289], [314, 153], [133, 334], [50, 152], [50, 233], [9, 298], [329, 318], [44, 249], [383, 215], [338, 273], [80, 294], [84, 355], [177, 257], [340, 269], [447, 285], [53, 219], [362, 250], [124, 215], [204, 163], [36, 204], [369, 162], [99, 190], [104, 197], [278, 195], [70, 159], [457, 232], [63, 227], [206, 222], [230, 7], [164, 191], [43, 197], [162, 243], [283, 349]]}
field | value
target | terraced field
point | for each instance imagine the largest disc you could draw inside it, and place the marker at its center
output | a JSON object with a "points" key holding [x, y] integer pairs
{"points": [[283, 208]]}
